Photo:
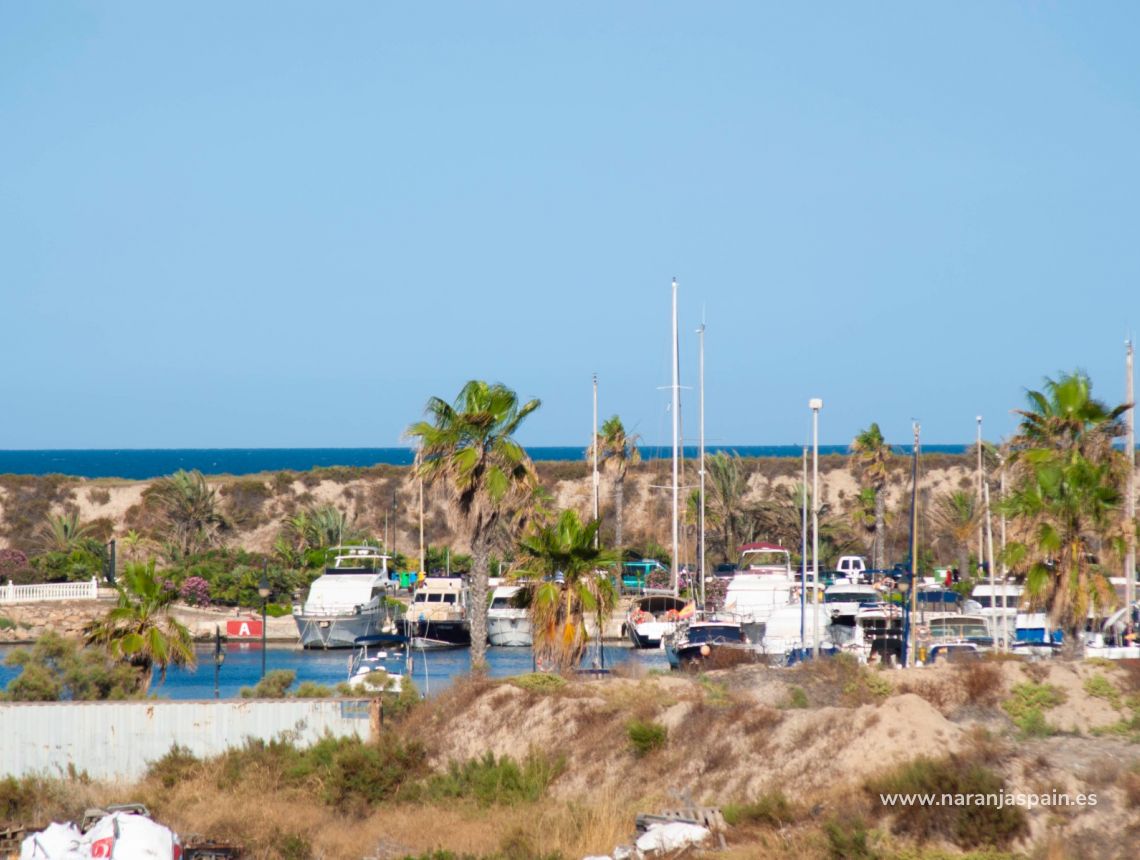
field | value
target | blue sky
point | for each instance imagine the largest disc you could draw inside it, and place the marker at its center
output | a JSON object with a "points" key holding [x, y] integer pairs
{"points": [[288, 224]]}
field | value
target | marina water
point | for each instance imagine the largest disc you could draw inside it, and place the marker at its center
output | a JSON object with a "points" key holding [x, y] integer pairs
{"points": [[432, 671]]}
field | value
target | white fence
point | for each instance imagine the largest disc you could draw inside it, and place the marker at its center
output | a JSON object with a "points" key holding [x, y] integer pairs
{"points": [[118, 740], [49, 591]]}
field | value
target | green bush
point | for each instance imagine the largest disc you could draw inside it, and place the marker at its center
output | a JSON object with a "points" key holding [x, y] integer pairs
{"points": [[490, 781], [278, 610], [275, 685], [173, 767], [968, 825], [797, 698], [539, 682], [849, 839], [1100, 687], [313, 690], [1027, 705], [770, 810], [56, 669], [646, 736]]}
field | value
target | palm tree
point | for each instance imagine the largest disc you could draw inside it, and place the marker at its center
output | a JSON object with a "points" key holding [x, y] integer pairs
{"points": [[1066, 492], [62, 533], [724, 507], [140, 629], [565, 550], [871, 462], [617, 451], [469, 446], [862, 515], [956, 515], [133, 541], [190, 508]]}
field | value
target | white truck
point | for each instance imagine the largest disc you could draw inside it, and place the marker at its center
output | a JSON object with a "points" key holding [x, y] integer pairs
{"points": [[853, 567]]}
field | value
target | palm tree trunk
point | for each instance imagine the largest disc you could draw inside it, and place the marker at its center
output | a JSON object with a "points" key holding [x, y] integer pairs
{"points": [[619, 505], [477, 605], [880, 529]]}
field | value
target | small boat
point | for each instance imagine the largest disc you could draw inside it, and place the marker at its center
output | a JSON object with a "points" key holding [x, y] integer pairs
{"points": [[508, 625], [348, 601], [437, 617], [763, 583], [377, 663], [652, 617], [713, 643]]}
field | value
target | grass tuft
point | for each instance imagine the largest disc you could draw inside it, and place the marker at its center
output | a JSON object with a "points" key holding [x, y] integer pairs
{"points": [[646, 736]]}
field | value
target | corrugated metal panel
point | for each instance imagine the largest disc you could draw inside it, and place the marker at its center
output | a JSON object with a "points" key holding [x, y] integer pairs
{"points": [[117, 740]]}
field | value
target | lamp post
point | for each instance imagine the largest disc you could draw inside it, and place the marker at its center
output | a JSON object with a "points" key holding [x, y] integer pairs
{"points": [[904, 589], [219, 659], [263, 590], [816, 404]]}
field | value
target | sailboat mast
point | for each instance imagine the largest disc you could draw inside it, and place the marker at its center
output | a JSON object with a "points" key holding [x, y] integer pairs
{"points": [[1130, 501], [909, 649], [594, 445], [701, 375], [676, 453]]}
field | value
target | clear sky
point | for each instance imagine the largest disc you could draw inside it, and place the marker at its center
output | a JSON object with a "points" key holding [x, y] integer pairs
{"points": [[287, 224]]}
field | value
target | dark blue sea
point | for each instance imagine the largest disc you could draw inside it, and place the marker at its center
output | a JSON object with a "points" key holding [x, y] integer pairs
{"points": [[142, 464]]}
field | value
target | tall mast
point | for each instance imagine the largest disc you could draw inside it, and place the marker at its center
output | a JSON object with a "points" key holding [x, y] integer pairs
{"points": [[1130, 502], [423, 568], [701, 376], [910, 650], [803, 561], [980, 479], [676, 434], [595, 447]]}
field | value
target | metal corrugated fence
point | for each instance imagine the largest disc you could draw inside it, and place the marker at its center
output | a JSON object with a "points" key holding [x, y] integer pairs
{"points": [[117, 740]]}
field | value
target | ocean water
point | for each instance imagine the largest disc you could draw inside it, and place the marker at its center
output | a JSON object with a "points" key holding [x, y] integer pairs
{"points": [[142, 464], [432, 672]]}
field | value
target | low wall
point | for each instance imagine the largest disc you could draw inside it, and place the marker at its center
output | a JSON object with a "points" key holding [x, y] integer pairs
{"points": [[118, 740]]}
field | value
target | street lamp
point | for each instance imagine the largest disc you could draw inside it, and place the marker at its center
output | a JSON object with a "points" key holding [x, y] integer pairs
{"points": [[219, 659], [263, 590], [815, 404]]}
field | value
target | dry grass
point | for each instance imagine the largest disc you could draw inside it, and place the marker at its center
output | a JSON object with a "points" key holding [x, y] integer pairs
{"points": [[981, 683]]}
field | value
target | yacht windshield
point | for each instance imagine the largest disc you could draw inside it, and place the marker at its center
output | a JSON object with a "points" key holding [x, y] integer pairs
{"points": [[715, 633]]}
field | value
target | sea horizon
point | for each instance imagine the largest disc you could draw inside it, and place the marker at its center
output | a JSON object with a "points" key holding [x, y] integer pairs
{"points": [[148, 463]]}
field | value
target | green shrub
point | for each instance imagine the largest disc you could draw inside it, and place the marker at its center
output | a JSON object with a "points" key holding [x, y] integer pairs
{"points": [[1100, 687], [770, 810], [539, 682], [313, 690], [6, 623], [173, 767], [968, 825], [797, 698], [275, 685], [849, 839], [1027, 705], [646, 736], [278, 610], [488, 780]]}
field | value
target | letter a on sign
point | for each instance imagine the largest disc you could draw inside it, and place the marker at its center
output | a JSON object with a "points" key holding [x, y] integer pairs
{"points": [[244, 629]]}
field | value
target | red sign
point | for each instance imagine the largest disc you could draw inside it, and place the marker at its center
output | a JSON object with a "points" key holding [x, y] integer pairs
{"points": [[243, 628], [103, 847]]}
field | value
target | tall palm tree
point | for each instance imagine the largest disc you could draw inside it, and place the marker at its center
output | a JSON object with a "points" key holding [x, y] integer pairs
{"points": [[190, 508], [956, 516], [726, 486], [565, 550], [140, 628], [469, 445], [862, 515], [617, 451], [1067, 480], [871, 461], [62, 533]]}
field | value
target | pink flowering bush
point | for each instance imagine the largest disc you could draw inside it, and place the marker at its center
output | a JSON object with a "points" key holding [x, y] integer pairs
{"points": [[195, 591]]}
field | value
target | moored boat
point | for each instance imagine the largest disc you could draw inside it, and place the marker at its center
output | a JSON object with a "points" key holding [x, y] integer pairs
{"points": [[508, 625], [350, 600], [437, 616], [712, 643], [652, 617]]}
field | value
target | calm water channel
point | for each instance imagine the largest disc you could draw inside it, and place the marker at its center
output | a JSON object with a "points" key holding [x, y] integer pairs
{"points": [[432, 672]]}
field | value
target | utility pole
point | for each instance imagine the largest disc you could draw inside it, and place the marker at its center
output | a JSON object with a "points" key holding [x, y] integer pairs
{"points": [[701, 472], [423, 568], [990, 545], [803, 559], [981, 479], [1001, 504], [676, 453], [912, 649], [1130, 502], [816, 404], [595, 447]]}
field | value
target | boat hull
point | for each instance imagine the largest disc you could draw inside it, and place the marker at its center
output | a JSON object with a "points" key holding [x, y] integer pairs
{"points": [[706, 656], [649, 634], [510, 632], [447, 633], [335, 631]]}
